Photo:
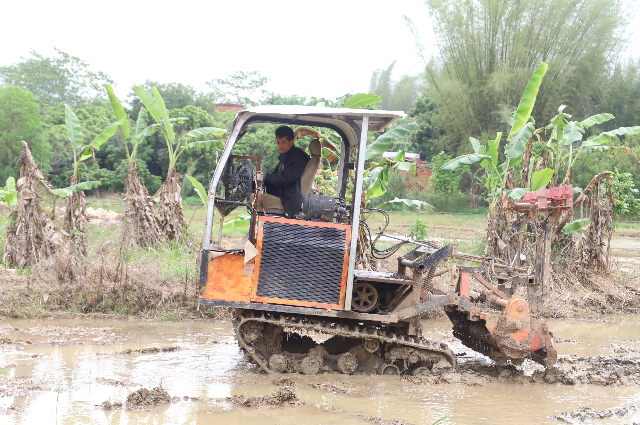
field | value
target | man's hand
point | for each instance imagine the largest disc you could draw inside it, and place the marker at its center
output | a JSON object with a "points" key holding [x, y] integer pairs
{"points": [[260, 177], [305, 131]]}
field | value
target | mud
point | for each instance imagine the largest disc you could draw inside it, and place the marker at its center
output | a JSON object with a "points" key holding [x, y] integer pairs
{"points": [[281, 397], [585, 413], [380, 421], [116, 383], [62, 335], [336, 387], [145, 398], [151, 350], [215, 383], [21, 387]]}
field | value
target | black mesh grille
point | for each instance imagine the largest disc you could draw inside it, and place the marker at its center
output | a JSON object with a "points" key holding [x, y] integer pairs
{"points": [[301, 263]]}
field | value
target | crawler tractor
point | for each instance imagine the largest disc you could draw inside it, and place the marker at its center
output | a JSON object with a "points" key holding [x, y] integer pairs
{"points": [[291, 277]]}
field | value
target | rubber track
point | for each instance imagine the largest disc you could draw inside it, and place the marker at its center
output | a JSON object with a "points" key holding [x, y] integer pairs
{"points": [[360, 332]]}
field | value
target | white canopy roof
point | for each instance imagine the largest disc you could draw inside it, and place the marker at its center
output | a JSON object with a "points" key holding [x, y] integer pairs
{"points": [[346, 121]]}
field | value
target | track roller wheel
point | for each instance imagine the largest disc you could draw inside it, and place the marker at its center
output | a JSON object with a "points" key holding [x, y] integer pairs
{"points": [[364, 298], [389, 369], [310, 365], [278, 363], [347, 363]]}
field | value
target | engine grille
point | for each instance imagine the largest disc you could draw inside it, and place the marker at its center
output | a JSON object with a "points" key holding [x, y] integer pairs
{"points": [[301, 263]]}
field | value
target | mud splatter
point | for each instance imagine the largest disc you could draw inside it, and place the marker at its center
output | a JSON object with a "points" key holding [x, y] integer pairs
{"points": [[7, 329], [8, 343], [620, 349], [380, 421], [11, 410], [107, 405], [61, 335], [283, 381], [281, 397], [21, 387], [335, 387], [584, 413], [151, 350], [115, 383], [144, 398]]}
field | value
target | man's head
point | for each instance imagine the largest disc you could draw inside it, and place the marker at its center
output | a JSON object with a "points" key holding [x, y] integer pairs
{"points": [[284, 137]]}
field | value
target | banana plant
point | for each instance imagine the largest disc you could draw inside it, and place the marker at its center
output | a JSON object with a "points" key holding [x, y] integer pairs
{"points": [[522, 130], [176, 145], [82, 151], [140, 131], [376, 177], [564, 134], [8, 193]]}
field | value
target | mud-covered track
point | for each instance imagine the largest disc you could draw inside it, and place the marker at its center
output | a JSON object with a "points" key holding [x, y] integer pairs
{"points": [[346, 329]]}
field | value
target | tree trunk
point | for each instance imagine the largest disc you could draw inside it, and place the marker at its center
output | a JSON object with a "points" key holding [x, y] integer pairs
{"points": [[31, 235], [473, 202], [140, 214], [171, 214], [75, 219]]}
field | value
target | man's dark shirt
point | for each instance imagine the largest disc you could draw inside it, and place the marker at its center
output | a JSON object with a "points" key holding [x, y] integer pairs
{"points": [[284, 181]]}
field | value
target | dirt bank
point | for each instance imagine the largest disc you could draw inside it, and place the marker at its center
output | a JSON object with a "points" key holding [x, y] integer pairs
{"points": [[585, 413], [281, 397]]}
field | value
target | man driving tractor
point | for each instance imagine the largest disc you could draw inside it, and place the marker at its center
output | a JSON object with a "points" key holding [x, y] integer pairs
{"points": [[284, 181]]}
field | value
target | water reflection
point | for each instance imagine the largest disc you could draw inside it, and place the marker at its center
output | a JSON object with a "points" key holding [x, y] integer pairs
{"points": [[210, 366]]}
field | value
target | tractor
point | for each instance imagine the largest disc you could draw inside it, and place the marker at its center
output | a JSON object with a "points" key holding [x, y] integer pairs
{"points": [[291, 278]]}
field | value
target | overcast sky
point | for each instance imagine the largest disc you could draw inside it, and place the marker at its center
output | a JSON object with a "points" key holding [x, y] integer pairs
{"points": [[321, 48]]}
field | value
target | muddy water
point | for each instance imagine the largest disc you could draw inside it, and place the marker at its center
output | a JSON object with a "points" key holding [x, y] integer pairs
{"points": [[72, 366]]}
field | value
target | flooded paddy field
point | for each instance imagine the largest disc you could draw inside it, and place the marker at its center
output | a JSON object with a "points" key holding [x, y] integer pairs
{"points": [[133, 372]]}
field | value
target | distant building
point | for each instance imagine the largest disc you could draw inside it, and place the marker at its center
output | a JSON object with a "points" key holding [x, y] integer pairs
{"points": [[224, 107], [411, 157]]}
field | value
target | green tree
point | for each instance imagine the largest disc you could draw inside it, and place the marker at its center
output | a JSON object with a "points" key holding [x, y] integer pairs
{"points": [[396, 95], [19, 121], [444, 182], [426, 139], [59, 79], [240, 87], [487, 49]]}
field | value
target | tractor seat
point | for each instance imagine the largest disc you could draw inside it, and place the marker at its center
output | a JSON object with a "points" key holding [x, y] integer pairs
{"points": [[272, 204]]}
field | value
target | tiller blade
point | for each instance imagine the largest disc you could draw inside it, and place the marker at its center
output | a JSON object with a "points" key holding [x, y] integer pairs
{"points": [[511, 335]]}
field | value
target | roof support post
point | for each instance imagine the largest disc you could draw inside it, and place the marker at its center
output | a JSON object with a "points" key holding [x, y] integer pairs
{"points": [[343, 156], [222, 161], [355, 214]]}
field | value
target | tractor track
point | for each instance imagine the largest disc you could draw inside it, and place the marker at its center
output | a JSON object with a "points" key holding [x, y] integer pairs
{"points": [[354, 330]]}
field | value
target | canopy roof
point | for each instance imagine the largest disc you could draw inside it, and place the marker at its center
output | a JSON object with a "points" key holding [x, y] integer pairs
{"points": [[347, 122]]}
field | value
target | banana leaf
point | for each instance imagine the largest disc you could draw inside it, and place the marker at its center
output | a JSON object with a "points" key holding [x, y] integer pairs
{"points": [[197, 186], [360, 100], [74, 132], [597, 119], [541, 178], [119, 111], [63, 193], [380, 145], [528, 99], [468, 159]]}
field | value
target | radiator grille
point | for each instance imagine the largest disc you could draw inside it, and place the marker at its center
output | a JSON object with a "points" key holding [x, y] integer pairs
{"points": [[301, 263]]}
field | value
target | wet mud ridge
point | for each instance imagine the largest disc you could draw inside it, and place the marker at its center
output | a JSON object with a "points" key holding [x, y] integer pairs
{"points": [[140, 400], [587, 413], [22, 387], [151, 350], [280, 397]]}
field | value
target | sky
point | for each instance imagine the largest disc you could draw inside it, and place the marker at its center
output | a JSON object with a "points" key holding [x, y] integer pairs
{"points": [[323, 48]]}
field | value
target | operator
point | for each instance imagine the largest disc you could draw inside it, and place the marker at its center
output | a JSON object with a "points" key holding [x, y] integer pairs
{"points": [[284, 181]]}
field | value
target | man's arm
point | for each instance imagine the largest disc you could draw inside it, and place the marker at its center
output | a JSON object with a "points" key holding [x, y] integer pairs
{"points": [[291, 172]]}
